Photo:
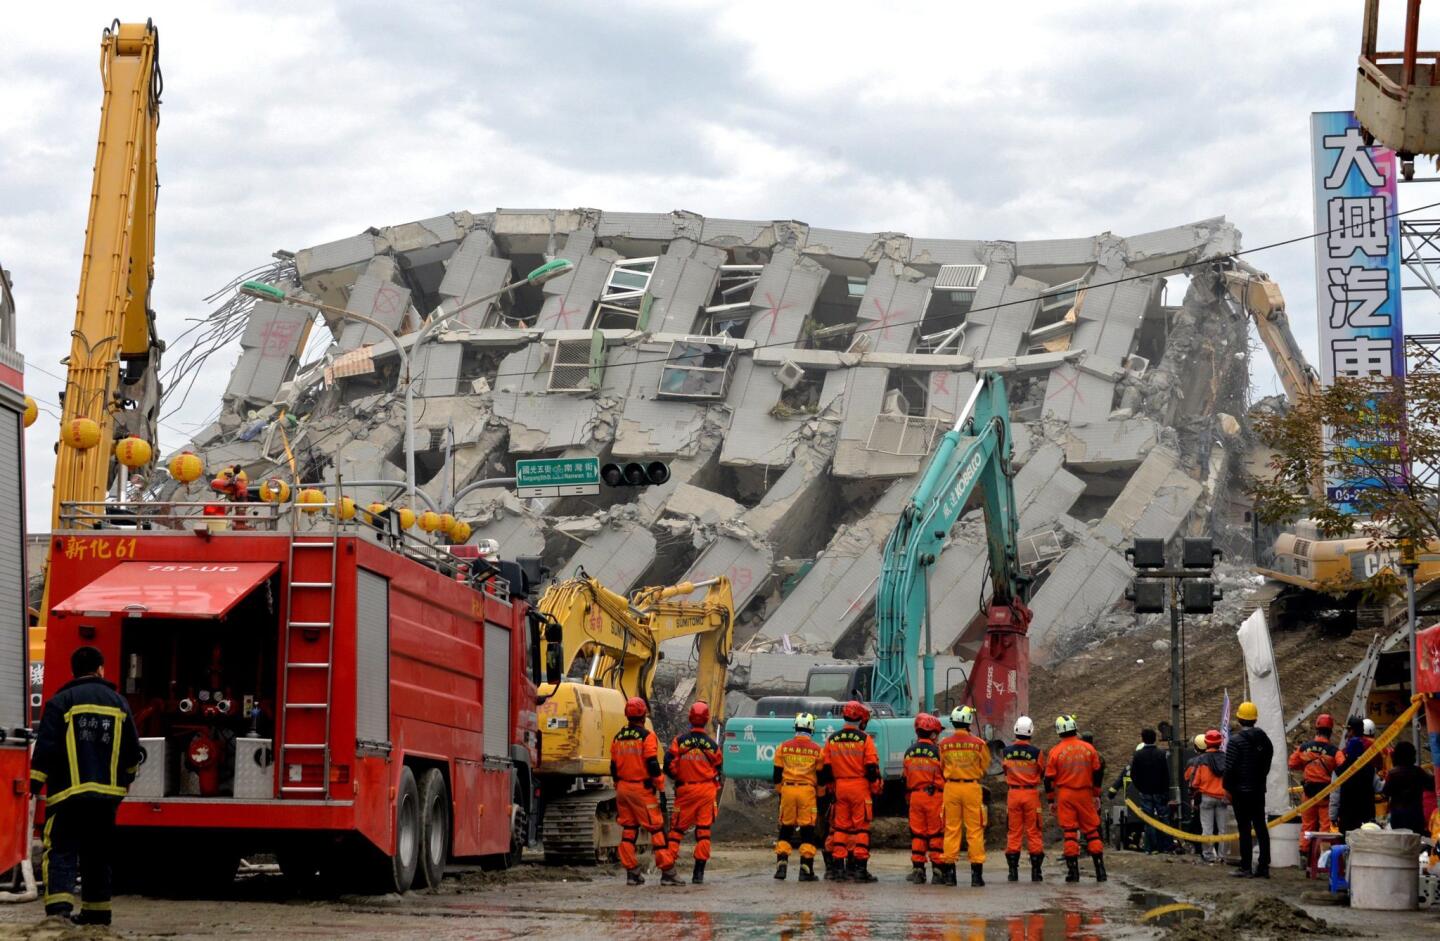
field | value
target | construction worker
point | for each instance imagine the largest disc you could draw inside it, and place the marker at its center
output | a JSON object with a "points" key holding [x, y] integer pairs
{"points": [[849, 762], [924, 788], [1072, 779], [1317, 761], [964, 758], [693, 763], [1247, 764], [797, 773], [1205, 775], [1024, 766], [86, 754], [639, 792]]}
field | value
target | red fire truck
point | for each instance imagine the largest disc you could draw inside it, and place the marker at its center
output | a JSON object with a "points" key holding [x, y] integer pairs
{"points": [[14, 670], [338, 693]]}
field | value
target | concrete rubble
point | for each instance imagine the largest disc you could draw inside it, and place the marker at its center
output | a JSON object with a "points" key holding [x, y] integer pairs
{"points": [[795, 378]]}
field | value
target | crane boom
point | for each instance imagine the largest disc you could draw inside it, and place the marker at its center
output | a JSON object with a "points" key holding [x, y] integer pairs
{"points": [[114, 323], [974, 453]]}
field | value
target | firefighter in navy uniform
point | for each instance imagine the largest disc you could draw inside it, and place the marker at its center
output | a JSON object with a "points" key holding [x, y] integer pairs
{"points": [[86, 754], [693, 763]]}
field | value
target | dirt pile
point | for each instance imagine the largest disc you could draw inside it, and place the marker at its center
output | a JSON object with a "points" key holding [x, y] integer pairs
{"points": [[1266, 916], [52, 929]]}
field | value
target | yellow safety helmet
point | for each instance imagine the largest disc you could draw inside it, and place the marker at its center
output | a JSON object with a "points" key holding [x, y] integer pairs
{"points": [[805, 722], [1064, 724], [1199, 741], [1247, 712], [963, 716]]}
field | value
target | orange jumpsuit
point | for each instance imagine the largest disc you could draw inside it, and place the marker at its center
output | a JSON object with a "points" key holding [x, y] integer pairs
{"points": [[1024, 772], [797, 770], [635, 766], [925, 785], [1072, 770], [850, 760], [693, 763], [964, 758], [1317, 762]]}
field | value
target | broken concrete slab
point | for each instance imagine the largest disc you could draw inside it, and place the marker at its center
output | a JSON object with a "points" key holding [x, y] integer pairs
{"points": [[617, 554]]}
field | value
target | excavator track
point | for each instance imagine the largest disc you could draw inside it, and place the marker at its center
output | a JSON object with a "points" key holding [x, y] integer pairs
{"points": [[581, 827]]}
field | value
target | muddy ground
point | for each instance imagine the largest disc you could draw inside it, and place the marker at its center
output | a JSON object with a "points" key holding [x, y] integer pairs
{"points": [[742, 901]]}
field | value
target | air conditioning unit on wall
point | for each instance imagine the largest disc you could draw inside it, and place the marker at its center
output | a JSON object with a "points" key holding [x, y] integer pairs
{"points": [[789, 375]]}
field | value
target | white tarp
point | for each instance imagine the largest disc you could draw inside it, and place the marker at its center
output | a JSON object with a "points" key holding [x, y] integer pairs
{"points": [[1263, 682]]}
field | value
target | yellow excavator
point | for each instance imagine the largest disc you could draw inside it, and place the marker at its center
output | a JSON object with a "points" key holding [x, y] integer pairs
{"points": [[599, 649], [1311, 575], [112, 387]]}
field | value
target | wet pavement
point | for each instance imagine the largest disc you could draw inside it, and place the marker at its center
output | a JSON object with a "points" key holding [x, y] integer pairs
{"points": [[740, 900]]}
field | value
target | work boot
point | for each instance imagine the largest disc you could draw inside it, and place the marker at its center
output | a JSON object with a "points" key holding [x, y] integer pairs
{"points": [[1099, 859], [782, 868], [668, 877], [1242, 873], [977, 875], [807, 870], [834, 868], [91, 917], [1072, 868], [633, 877], [917, 874], [861, 872], [697, 876], [1012, 860], [937, 873], [1262, 872], [1036, 860]]}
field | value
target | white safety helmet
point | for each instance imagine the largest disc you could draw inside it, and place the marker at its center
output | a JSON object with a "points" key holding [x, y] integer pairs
{"points": [[1064, 724], [805, 722], [962, 716], [1369, 728], [1024, 727]]}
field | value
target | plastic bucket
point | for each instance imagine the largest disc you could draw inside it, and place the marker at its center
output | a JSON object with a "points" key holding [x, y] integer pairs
{"points": [[1384, 870], [1285, 845]]}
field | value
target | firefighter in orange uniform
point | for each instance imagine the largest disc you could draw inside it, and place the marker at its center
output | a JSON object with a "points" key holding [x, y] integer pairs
{"points": [[924, 787], [1072, 779], [797, 774], [964, 758], [693, 763], [1024, 771], [639, 789], [1317, 761], [850, 763]]}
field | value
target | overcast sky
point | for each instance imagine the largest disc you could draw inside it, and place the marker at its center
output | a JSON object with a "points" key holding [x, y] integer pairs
{"points": [[286, 125]]}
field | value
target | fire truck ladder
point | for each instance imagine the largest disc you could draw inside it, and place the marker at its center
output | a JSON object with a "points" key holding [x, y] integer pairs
{"points": [[1364, 672], [313, 560]]}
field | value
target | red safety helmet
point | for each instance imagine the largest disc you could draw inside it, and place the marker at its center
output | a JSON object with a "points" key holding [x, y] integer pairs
{"points": [[1324, 722], [635, 708], [699, 714], [855, 711], [1212, 738], [926, 723]]}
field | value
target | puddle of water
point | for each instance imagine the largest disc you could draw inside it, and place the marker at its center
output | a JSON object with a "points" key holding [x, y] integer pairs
{"points": [[1164, 911]]}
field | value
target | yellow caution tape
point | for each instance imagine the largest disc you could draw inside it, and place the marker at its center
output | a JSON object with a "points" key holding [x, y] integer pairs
{"points": [[1170, 909], [1381, 743]]}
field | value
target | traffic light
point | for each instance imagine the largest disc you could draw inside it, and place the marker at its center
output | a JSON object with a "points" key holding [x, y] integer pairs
{"points": [[634, 474]]}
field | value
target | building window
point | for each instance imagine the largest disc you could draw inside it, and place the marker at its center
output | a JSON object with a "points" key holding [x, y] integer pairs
{"points": [[697, 368], [624, 294], [730, 307], [943, 326]]}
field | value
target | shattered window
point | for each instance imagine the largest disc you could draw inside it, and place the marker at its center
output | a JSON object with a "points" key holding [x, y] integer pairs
{"points": [[1058, 301], [730, 306], [697, 368], [943, 326], [855, 287], [624, 293]]}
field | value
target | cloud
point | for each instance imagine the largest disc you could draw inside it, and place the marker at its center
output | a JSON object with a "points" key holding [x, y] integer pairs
{"points": [[284, 126]]}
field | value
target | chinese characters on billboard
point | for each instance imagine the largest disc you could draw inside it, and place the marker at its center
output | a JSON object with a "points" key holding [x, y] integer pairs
{"points": [[1357, 262]]}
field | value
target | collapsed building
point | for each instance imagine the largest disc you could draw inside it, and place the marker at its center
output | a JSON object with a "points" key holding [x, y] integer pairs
{"points": [[794, 377]]}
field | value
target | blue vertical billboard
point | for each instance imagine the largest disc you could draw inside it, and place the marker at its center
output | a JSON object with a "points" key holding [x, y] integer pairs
{"points": [[1357, 263]]}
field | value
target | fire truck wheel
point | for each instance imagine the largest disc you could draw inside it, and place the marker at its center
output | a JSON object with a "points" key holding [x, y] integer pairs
{"points": [[406, 860], [434, 828]]}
